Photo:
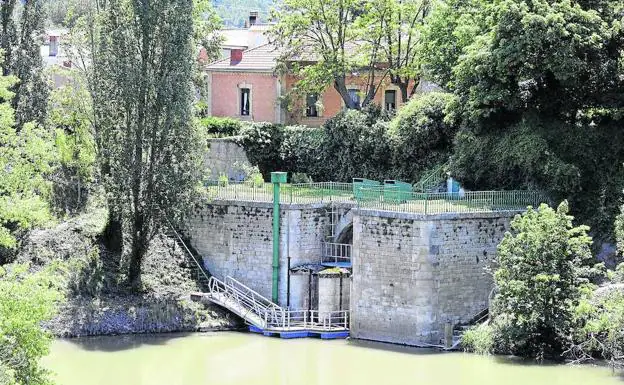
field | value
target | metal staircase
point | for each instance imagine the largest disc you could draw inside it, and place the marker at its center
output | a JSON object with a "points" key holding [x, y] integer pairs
{"points": [[268, 318], [202, 275], [259, 312], [458, 330]]}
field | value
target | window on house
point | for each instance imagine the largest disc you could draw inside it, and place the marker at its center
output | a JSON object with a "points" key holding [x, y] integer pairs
{"points": [[390, 99], [354, 94], [311, 110], [245, 102]]}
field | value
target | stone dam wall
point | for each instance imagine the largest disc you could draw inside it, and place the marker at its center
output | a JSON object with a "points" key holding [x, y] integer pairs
{"points": [[411, 273], [236, 240], [414, 273]]}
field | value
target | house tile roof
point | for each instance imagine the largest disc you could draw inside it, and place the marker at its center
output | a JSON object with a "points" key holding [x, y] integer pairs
{"points": [[259, 59]]}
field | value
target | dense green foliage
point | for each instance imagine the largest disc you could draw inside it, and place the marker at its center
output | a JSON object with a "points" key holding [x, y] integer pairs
{"points": [[601, 314], [20, 40], [422, 135], [149, 148], [367, 144], [27, 156], [70, 117], [539, 88], [542, 266], [219, 127], [234, 13], [26, 300]]}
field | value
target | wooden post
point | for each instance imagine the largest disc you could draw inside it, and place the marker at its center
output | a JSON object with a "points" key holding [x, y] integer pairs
{"points": [[448, 335]]}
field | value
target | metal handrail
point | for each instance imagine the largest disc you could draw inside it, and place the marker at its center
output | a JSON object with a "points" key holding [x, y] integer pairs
{"points": [[199, 266], [273, 315], [336, 252], [249, 290]]}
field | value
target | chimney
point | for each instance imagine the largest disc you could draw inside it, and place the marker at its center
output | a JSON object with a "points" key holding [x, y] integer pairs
{"points": [[236, 55], [54, 45], [253, 18]]}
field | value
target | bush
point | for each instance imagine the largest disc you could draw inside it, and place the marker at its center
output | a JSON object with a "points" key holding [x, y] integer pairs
{"points": [[479, 339], [542, 267], [601, 334], [262, 143], [356, 146], [26, 301], [221, 127], [422, 135], [302, 151]]}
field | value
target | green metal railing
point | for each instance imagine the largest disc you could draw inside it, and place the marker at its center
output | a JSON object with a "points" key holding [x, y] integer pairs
{"points": [[324, 192], [432, 180], [466, 202], [244, 191], [379, 198]]}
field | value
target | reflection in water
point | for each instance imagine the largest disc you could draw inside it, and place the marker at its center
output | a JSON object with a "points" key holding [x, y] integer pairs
{"points": [[244, 359]]}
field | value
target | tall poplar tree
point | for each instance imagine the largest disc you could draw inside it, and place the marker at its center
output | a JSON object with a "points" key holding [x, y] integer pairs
{"points": [[23, 26], [143, 99]]}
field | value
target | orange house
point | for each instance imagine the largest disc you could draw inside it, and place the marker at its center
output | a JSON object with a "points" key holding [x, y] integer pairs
{"points": [[245, 85]]}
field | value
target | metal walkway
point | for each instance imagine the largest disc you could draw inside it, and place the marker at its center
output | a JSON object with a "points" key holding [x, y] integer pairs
{"points": [[270, 319]]}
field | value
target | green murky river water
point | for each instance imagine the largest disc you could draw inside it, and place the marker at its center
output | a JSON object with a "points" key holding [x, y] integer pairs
{"points": [[245, 359]]}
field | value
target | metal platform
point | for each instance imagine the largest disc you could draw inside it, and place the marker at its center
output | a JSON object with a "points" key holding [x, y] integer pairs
{"points": [[270, 319], [301, 333]]}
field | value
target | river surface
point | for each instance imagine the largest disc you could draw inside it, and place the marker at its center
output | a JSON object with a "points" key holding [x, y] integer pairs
{"points": [[246, 359]]}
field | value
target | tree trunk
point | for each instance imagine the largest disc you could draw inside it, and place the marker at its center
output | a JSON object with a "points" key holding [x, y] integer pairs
{"points": [[112, 237], [341, 87], [404, 92], [139, 242]]}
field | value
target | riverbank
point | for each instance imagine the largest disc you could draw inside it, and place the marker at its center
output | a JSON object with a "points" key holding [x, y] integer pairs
{"points": [[98, 300]]}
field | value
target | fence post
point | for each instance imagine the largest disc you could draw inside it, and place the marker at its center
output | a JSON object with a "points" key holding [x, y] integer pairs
{"points": [[426, 202]]}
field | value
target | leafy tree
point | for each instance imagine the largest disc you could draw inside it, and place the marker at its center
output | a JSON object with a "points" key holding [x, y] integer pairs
{"points": [[27, 156], [323, 36], [539, 90], [542, 265], [422, 135], [619, 231], [22, 27], [70, 117], [391, 29], [66, 12], [600, 315], [26, 300], [143, 101], [235, 12]]}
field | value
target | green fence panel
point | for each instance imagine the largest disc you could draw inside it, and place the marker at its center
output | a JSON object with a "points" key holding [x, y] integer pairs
{"points": [[367, 189], [397, 191]]}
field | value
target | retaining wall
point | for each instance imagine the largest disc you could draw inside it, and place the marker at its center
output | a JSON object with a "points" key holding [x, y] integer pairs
{"points": [[413, 273]]}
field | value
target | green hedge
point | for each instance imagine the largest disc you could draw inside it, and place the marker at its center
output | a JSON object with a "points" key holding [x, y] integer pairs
{"points": [[220, 127], [354, 143]]}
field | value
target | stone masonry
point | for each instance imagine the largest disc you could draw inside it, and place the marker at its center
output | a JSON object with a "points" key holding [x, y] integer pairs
{"points": [[226, 157], [236, 239], [413, 273]]}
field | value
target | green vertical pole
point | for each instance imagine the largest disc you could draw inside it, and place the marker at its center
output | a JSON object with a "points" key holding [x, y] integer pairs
{"points": [[276, 178]]}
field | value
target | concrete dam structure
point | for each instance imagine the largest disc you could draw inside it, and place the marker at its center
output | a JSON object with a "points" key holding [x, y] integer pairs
{"points": [[401, 272]]}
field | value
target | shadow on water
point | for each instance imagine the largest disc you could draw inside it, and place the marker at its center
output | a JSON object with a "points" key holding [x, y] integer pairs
{"points": [[528, 362], [116, 343], [394, 348]]}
